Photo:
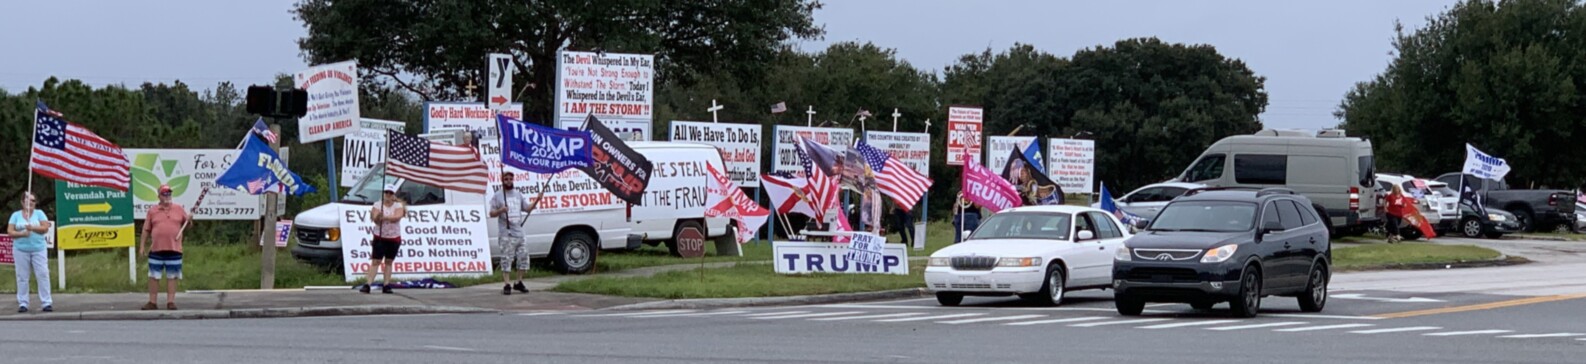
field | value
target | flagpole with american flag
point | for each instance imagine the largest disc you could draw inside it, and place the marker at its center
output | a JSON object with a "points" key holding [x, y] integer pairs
{"points": [[68, 152]]}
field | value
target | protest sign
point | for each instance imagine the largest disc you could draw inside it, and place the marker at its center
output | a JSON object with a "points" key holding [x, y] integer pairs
{"points": [[569, 190], [437, 240], [617, 167], [5, 251], [739, 145], [963, 133], [616, 88], [188, 171], [999, 147], [539, 149], [332, 101], [784, 151], [364, 149], [806, 257], [866, 249], [913, 149], [1072, 164]]}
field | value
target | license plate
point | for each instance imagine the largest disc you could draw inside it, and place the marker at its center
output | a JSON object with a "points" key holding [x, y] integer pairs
{"points": [[1162, 278]]}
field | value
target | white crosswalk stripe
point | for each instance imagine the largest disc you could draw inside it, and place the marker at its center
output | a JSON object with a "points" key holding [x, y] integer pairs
{"points": [[1056, 321], [1462, 333], [775, 313], [1257, 326], [691, 314], [807, 315], [907, 319], [1124, 322], [1532, 336], [635, 313], [539, 314], [866, 317], [1396, 329], [1184, 324], [989, 319], [1325, 327]]}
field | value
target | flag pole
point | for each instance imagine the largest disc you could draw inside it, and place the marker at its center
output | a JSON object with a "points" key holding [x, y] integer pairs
{"points": [[543, 186], [30, 141]]}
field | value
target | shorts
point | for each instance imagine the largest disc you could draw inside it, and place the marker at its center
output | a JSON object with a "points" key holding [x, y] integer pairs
{"points": [[385, 248], [514, 254], [165, 264]]}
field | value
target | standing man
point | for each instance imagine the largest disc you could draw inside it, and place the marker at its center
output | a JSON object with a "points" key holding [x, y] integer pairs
{"points": [[387, 217], [164, 225], [903, 221], [27, 228], [511, 211]]}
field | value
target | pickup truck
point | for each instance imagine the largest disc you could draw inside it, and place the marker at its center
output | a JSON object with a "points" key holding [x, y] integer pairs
{"points": [[1547, 210]]}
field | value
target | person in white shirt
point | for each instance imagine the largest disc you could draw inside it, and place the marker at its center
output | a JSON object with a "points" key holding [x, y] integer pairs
{"points": [[511, 210]]}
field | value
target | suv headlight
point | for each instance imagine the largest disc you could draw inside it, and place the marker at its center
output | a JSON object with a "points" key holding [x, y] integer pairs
{"points": [[1496, 217], [333, 234], [940, 262], [1016, 262], [1122, 254], [1219, 254]]}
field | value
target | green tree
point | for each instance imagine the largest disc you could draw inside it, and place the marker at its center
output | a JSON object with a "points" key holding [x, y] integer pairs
{"points": [[1504, 76], [435, 48]]}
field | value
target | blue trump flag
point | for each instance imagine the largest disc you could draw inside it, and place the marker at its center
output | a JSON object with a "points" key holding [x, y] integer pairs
{"points": [[258, 169], [1032, 156], [1108, 205], [539, 149]]}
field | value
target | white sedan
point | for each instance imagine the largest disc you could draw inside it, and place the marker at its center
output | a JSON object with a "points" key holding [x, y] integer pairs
{"points": [[1036, 252]]}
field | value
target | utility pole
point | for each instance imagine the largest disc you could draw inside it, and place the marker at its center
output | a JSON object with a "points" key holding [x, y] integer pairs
{"points": [[267, 234]]}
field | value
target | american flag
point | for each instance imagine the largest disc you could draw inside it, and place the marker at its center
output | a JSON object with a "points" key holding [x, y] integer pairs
{"points": [[69, 152], [264, 131], [780, 107], [896, 180], [450, 167], [822, 188]]}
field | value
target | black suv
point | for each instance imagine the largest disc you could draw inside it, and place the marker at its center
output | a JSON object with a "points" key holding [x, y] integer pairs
{"points": [[1226, 245]]}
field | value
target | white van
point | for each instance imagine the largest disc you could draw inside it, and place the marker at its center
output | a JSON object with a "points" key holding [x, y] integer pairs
{"points": [[1335, 172], [674, 200]]}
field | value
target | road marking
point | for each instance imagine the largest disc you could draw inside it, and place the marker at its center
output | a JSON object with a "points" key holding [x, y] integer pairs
{"points": [[1396, 329], [774, 313], [1477, 332], [930, 317], [1327, 327], [1357, 296], [539, 313], [1183, 324], [807, 315], [1305, 315], [1041, 322], [635, 313], [869, 316], [1124, 322], [1484, 306], [448, 348], [694, 314], [960, 308], [1257, 326], [1561, 334], [986, 319]]}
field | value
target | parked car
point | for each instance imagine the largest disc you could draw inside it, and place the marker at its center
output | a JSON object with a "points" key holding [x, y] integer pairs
{"points": [[1446, 202], [1146, 201], [1423, 201], [1494, 225], [1580, 217], [1233, 246], [1537, 209], [1334, 172], [1035, 252]]}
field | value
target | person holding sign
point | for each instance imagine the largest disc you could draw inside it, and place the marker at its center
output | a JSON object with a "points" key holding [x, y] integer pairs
{"points": [[387, 217], [26, 229], [507, 206], [163, 224]]}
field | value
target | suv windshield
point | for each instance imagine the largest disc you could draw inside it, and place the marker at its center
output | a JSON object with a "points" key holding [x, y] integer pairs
{"points": [[1216, 216], [1024, 225]]}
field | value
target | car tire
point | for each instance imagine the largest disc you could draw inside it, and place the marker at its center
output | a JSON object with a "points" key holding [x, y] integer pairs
{"points": [[1470, 227], [574, 252], [1052, 290], [1314, 298], [1248, 301], [949, 299], [1527, 219], [1202, 306], [1128, 306]]}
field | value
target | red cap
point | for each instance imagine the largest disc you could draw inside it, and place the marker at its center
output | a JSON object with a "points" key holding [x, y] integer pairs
{"points": [[165, 189]]}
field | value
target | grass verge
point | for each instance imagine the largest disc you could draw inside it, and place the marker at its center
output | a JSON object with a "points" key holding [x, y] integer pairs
{"points": [[742, 280], [1406, 255], [204, 267]]}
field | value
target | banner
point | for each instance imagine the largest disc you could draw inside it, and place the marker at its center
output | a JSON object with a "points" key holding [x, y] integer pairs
{"points": [[364, 149], [332, 101], [866, 249], [784, 154], [617, 167], [739, 145], [91, 217], [283, 231], [913, 149], [1072, 164], [998, 148], [963, 133], [539, 149], [258, 170], [188, 171], [5, 251], [437, 240], [987, 189], [570, 190], [1484, 165], [805, 257], [617, 88]]}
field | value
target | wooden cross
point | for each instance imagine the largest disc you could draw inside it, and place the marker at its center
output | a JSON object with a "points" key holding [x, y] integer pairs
{"points": [[811, 120], [895, 115], [713, 109]]}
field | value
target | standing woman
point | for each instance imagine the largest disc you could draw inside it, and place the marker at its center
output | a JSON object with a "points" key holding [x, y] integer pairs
{"points": [[26, 229], [387, 217], [1395, 213]]}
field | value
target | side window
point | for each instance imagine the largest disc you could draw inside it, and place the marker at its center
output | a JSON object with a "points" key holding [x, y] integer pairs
{"points": [[1368, 170], [1209, 167], [1082, 223], [1307, 215], [1170, 193], [419, 194], [1261, 169], [1270, 213], [1105, 228], [1290, 214], [1145, 195]]}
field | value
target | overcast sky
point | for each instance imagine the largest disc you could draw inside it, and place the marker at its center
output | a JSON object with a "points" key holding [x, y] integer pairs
{"points": [[1310, 52]]}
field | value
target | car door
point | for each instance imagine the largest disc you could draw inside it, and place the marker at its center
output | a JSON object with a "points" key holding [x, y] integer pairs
{"points": [[1312, 242], [1296, 260], [1273, 248], [1086, 266], [1111, 236]]}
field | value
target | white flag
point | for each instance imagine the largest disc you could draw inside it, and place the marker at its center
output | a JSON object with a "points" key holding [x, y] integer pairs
{"points": [[1484, 165]]}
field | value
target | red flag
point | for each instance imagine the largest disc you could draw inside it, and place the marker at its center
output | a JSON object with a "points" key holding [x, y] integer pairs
{"points": [[725, 199]]}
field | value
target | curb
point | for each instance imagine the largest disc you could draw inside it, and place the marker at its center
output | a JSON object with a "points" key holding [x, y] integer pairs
{"points": [[1500, 261], [708, 303], [250, 313], [1540, 237]]}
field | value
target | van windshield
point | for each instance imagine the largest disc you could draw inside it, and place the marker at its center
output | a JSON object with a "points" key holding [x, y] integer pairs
{"points": [[367, 190], [1209, 167], [1211, 216], [371, 187]]}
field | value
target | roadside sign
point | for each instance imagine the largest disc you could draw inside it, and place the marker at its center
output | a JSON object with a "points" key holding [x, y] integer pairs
{"points": [[283, 230], [691, 243], [499, 96], [93, 217], [5, 251]]}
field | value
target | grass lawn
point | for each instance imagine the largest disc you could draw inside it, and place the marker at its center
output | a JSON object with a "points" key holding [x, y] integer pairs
{"points": [[204, 266], [1380, 256], [743, 280]]}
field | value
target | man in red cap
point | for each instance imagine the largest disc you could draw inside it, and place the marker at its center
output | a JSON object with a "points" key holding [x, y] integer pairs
{"points": [[163, 224]]}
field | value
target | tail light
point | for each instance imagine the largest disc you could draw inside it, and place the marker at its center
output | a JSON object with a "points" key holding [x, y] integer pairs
{"points": [[630, 212], [1554, 200], [1354, 198]]}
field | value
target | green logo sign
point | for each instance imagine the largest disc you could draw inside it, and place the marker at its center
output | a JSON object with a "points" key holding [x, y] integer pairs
{"points": [[149, 172]]}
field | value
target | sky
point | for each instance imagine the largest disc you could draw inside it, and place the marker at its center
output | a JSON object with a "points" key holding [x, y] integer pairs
{"points": [[1311, 53]]}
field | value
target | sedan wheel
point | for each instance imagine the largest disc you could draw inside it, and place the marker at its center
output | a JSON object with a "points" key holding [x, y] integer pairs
{"points": [[1470, 228], [1051, 291]]}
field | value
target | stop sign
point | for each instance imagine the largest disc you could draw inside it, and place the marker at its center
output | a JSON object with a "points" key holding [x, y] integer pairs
{"points": [[691, 243]]}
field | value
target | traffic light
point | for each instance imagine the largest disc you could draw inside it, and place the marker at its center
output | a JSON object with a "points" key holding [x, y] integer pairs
{"points": [[271, 102]]}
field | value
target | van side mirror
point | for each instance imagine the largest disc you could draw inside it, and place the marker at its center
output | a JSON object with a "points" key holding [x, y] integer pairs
{"points": [[1086, 235]]}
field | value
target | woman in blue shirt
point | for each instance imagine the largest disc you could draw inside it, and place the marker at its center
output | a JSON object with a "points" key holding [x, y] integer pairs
{"points": [[26, 229]]}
